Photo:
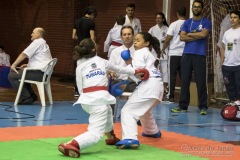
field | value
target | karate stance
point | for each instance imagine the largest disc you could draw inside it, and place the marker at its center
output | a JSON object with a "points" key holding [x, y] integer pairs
{"points": [[92, 82], [146, 96]]}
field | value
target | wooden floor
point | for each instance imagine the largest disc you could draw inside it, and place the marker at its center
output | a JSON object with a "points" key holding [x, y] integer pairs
{"points": [[63, 90]]}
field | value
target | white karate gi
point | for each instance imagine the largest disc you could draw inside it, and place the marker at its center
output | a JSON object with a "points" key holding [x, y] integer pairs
{"points": [[89, 73], [141, 102], [113, 36], [136, 24]]}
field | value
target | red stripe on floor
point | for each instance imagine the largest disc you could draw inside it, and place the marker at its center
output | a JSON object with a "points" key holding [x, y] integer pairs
{"points": [[170, 140]]}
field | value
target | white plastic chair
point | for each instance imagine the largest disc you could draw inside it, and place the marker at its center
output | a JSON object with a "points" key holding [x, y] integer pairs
{"points": [[45, 83]]}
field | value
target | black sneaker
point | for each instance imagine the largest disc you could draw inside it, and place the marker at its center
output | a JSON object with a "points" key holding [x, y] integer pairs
{"points": [[26, 101]]}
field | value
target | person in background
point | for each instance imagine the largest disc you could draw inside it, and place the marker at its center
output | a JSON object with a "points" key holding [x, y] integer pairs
{"points": [[114, 39], [225, 24], [4, 57], [194, 33], [38, 54], [160, 32], [84, 28], [231, 58], [127, 34], [175, 51], [131, 20]]}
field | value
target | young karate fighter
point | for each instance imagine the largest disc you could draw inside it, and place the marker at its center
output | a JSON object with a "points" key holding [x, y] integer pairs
{"points": [[145, 96], [92, 82]]}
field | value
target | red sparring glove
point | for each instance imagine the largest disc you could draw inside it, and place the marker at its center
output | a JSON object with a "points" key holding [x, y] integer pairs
{"points": [[145, 73]]}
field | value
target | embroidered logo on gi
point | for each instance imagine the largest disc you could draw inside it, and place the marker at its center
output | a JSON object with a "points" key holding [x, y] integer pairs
{"points": [[235, 41], [94, 66], [163, 34]]}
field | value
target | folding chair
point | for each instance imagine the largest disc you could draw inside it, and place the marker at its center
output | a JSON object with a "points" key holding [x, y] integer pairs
{"points": [[45, 83]]}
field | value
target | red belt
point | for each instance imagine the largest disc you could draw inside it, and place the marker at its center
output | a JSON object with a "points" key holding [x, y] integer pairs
{"points": [[115, 43], [95, 88]]}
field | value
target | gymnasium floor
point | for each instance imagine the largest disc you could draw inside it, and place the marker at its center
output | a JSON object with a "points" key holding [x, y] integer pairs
{"points": [[34, 132]]}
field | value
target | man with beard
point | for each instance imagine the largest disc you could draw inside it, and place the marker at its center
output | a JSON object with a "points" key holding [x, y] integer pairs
{"points": [[195, 33]]}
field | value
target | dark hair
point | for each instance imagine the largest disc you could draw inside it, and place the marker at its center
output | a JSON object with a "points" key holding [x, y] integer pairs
{"points": [[153, 43], [2, 47], [235, 12], [182, 11], [163, 17], [198, 1], [120, 20], [131, 5], [130, 27], [86, 49], [91, 10]]}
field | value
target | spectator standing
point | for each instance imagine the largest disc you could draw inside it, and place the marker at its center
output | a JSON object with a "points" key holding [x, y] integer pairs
{"points": [[175, 51], [114, 39], [231, 58], [84, 28], [160, 32], [195, 33]]}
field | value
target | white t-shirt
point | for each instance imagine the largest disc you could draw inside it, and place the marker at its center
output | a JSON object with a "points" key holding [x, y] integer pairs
{"points": [[176, 46], [231, 40], [116, 59], [38, 53]]}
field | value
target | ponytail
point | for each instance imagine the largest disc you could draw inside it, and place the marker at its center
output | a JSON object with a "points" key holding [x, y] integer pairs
{"points": [[153, 43], [156, 46], [86, 49]]}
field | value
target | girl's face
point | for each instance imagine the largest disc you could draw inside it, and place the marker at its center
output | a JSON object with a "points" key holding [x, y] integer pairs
{"points": [[159, 19], [139, 42]]}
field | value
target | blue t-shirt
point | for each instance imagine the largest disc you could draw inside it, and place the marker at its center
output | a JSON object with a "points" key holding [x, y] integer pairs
{"points": [[199, 46]]}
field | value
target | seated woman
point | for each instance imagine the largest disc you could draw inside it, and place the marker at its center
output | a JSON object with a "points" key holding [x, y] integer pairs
{"points": [[4, 68], [4, 57]]}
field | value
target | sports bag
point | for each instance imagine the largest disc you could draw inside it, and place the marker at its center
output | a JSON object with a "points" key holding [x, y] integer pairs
{"points": [[231, 112]]}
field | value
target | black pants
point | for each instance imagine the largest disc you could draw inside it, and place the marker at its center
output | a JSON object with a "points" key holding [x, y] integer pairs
{"points": [[231, 77], [27, 90], [197, 64], [174, 68]]}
